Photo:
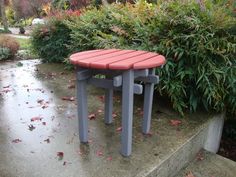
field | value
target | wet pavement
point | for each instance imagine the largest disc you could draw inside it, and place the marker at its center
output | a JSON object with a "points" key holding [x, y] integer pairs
{"points": [[39, 128]]}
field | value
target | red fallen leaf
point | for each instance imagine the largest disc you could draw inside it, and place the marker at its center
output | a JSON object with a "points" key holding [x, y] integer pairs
{"points": [[60, 155], [68, 98], [31, 127], [100, 110], [101, 98], [114, 115], [71, 86], [64, 163], [109, 158], [149, 134], [44, 106], [40, 101], [99, 153], [16, 141], [175, 122], [92, 116], [44, 123], [36, 119], [119, 129], [6, 90], [189, 174], [47, 140], [7, 86], [200, 156], [80, 152]]}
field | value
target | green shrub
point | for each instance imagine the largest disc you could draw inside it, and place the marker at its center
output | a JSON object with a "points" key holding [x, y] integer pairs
{"points": [[50, 41], [4, 53], [200, 47]]}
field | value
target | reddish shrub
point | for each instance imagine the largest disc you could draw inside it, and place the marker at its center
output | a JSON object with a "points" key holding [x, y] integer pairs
{"points": [[10, 43]]}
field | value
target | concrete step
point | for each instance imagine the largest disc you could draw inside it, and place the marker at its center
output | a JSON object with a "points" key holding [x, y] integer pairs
{"points": [[162, 153], [208, 164]]}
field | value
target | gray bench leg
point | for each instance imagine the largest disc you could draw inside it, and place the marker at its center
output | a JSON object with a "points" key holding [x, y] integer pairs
{"points": [[127, 112], [148, 98], [82, 110], [108, 106]]}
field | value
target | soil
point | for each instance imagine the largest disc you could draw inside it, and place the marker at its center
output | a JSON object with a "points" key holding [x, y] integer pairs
{"points": [[228, 141]]}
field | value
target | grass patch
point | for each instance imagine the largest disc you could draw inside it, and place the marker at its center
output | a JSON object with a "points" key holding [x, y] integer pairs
{"points": [[24, 43]]}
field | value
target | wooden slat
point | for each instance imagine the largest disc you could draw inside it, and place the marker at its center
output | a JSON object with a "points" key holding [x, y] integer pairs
{"points": [[92, 54], [150, 63], [84, 53], [128, 63], [87, 62], [103, 64]]}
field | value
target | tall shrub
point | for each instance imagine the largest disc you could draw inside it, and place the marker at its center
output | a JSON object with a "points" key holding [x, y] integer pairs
{"points": [[199, 46], [50, 40]]}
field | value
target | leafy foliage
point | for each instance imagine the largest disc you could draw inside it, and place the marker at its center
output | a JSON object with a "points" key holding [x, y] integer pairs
{"points": [[4, 53], [49, 41], [199, 46]]}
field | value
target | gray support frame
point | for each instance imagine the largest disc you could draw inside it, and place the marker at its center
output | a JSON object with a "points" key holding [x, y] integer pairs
{"points": [[82, 109], [109, 104], [127, 112], [147, 108]]}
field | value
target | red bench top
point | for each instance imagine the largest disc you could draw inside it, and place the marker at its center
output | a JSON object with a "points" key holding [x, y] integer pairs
{"points": [[117, 59]]}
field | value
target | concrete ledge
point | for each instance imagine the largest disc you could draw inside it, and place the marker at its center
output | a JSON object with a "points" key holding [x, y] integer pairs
{"points": [[208, 136], [210, 164]]}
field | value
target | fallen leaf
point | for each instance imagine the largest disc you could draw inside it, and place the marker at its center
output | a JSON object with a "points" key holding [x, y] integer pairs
{"points": [[47, 140], [101, 98], [60, 155], [99, 153], [71, 86], [149, 134], [16, 141], [119, 129], [31, 127], [109, 158], [7, 86], [200, 156], [100, 110], [92, 116], [114, 115], [44, 123], [68, 98], [36, 119], [40, 101], [189, 174], [175, 122]]}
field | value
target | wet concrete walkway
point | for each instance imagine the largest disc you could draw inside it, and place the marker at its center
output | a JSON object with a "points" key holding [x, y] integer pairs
{"points": [[39, 128]]}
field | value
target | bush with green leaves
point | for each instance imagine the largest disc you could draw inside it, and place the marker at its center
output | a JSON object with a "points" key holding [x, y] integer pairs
{"points": [[200, 47], [5, 53], [50, 40]]}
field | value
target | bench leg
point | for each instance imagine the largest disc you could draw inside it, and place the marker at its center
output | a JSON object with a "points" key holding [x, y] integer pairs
{"points": [[147, 108], [108, 106], [82, 110], [127, 112]]}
